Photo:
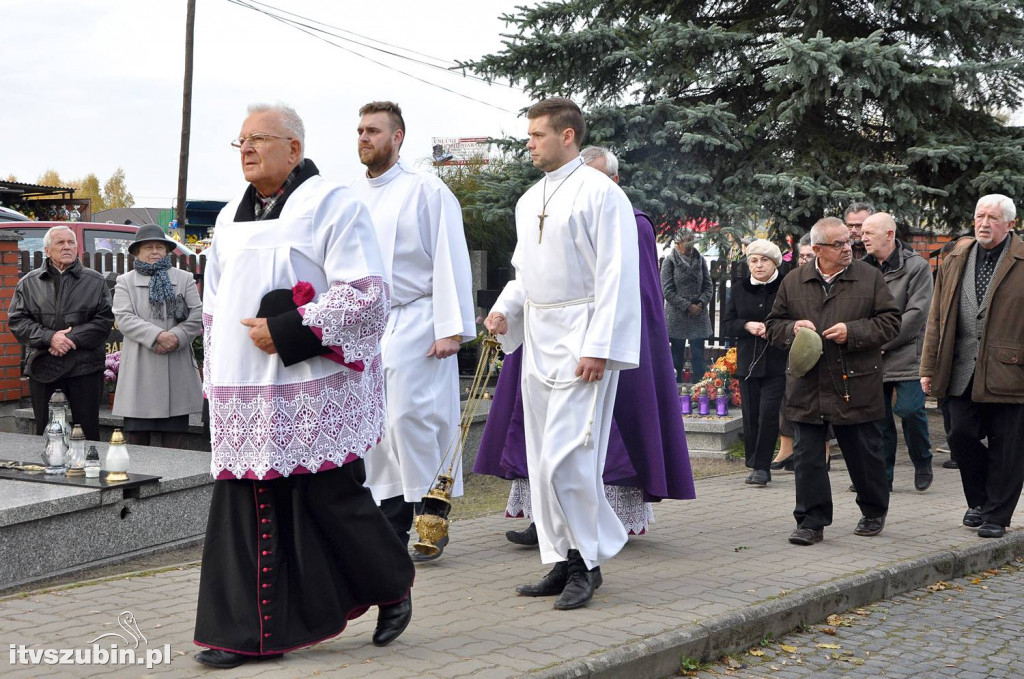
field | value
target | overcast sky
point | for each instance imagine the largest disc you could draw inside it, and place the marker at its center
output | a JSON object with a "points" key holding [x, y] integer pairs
{"points": [[93, 86]]}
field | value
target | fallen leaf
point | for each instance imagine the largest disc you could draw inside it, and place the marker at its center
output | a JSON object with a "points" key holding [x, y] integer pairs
{"points": [[788, 649], [829, 630], [827, 645], [854, 661], [834, 620], [774, 668], [756, 651]]}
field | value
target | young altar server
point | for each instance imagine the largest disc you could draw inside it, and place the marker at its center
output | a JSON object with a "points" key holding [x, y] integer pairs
{"points": [[419, 229], [575, 305]]}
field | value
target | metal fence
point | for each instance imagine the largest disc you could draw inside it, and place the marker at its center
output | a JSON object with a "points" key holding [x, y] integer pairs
{"points": [[112, 266]]}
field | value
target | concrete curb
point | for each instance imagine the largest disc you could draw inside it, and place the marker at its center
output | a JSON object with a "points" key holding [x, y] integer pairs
{"points": [[659, 655]]}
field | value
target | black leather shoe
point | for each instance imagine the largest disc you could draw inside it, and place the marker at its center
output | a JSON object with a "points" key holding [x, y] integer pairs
{"points": [[807, 536], [867, 527], [579, 585], [392, 621], [972, 517], [551, 584], [225, 660], [991, 530], [786, 464], [950, 464], [419, 557], [759, 477], [526, 537], [923, 477]]}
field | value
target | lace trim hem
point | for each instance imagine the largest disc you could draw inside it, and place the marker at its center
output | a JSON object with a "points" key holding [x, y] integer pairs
{"points": [[627, 502], [279, 428]]}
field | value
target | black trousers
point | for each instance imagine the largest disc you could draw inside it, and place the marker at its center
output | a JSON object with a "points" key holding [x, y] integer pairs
{"points": [[862, 450], [399, 514], [992, 475], [762, 398], [83, 394]]}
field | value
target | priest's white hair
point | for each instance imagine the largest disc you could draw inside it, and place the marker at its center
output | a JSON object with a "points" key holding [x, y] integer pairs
{"points": [[289, 119]]}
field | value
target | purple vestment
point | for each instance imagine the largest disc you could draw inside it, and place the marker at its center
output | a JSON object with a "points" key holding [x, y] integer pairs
{"points": [[647, 445]]}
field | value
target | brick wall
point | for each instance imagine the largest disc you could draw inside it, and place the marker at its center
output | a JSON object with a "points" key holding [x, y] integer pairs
{"points": [[12, 385]]}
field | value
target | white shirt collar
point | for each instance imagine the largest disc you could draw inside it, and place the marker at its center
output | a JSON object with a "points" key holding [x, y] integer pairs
{"points": [[565, 170], [827, 279]]}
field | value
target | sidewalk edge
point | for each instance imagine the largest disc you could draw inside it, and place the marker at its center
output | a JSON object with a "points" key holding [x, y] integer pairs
{"points": [[659, 655]]}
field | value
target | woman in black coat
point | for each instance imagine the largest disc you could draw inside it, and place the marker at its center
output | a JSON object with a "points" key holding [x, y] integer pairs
{"points": [[760, 368]]}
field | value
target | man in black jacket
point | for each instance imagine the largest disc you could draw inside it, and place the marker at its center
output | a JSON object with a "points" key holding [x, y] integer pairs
{"points": [[61, 313]]}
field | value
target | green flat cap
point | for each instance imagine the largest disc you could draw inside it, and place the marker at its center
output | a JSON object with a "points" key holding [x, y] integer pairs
{"points": [[804, 352]]}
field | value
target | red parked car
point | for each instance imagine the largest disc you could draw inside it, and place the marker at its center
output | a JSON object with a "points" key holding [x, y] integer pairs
{"points": [[92, 237]]}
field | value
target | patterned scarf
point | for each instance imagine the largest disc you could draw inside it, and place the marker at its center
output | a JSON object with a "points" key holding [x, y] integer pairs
{"points": [[161, 291], [264, 206]]}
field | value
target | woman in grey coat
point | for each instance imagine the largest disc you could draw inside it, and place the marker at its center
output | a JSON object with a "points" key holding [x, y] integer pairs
{"points": [[158, 310], [686, 284]]}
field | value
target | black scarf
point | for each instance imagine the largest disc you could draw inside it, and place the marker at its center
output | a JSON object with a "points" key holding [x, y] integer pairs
{"points": [[247, 207]]}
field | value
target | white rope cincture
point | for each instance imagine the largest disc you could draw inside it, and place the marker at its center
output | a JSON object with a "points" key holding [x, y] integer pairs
{"points": [[553, 383]]}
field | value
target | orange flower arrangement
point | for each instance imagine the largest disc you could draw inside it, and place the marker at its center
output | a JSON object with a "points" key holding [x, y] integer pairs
{"points": [[719, 378]]}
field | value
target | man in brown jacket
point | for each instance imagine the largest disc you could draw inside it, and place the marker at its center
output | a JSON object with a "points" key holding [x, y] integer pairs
{"points": [[849, 304], [973, 356]]}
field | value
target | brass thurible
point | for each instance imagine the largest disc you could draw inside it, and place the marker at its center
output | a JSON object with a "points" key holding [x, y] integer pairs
{"points": [[432, 522]]}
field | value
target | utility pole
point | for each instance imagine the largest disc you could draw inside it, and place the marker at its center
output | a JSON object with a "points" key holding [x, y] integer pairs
{"points": [[186, 114]]}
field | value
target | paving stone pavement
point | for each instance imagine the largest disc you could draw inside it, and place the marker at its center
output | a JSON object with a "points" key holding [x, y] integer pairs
{"points": [[713, 576], [968, 628]]}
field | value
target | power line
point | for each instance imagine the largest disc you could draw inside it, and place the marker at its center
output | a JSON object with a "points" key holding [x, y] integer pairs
{"points": [[310, 31], [445, 62]]}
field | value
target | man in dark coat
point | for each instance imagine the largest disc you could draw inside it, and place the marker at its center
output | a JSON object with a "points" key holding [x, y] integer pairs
{"points": [[973, 356], [910, 281], [848, 303], [61, 313]]}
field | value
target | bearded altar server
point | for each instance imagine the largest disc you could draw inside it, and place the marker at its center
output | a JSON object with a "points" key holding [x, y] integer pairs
{"points": [[575, 306], [294, 306], [647, 458], [419, 229]]}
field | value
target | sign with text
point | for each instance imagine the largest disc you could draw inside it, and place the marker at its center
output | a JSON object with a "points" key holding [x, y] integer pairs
{"points": [[459, 150]]}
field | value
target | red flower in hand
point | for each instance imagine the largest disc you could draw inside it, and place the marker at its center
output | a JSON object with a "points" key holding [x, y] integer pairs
{"points": [[302, 293]]}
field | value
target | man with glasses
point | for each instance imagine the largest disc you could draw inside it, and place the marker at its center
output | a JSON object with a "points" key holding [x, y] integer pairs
{"points": [[973, 357], [294, 306], [805, 251], [848, 304], [426, 261], [854, 217]]}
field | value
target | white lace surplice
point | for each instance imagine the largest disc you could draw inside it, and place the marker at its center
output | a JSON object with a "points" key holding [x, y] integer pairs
{"points": [[265, 416]]}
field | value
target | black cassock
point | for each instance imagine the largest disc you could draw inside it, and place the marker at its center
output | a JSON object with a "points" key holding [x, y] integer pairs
{"points": [[289, 561]]}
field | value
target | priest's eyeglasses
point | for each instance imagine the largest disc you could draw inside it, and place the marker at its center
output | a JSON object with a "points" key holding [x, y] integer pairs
{"points": [[256, 140]]}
